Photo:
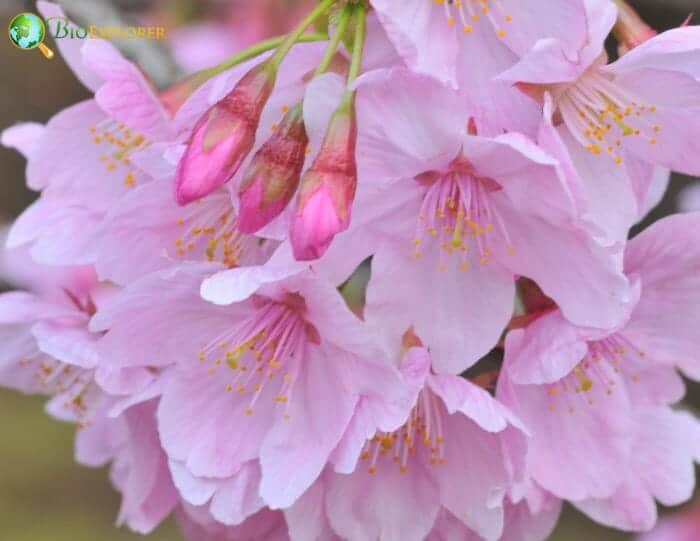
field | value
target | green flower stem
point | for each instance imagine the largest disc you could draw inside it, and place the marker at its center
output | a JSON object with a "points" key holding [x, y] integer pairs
{"points": [[357, 50], [358, 43], [293, 36], [335, 41], [258, 49]]}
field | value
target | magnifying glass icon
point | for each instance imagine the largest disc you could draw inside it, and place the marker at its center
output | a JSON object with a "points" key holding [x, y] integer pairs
{"points": [[27, 31]]}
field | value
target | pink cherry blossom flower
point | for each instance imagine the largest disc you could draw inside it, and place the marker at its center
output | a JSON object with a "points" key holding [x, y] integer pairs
{"points": [[450, 218], [622, 112], [255, 395], [468, 44], [96, 139], [594, 398], [48, 349], [423, 476]]}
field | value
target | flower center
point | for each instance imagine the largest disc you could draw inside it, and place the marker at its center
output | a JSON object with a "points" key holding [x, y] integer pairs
{"points": [[57, 378], [258, 350], [117, 142], [458, 214], [420, 437], [209, 231], [470, 12], [607, 363], [601, 114]]}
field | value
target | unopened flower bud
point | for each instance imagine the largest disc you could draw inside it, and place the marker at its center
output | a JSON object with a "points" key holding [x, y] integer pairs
{"points": [[273, 175], [223, 137], [324, 203], [630, 29]]}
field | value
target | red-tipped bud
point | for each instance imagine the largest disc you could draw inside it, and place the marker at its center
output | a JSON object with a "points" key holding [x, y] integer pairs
{"points": [[223, 137], [273, 174], [630, 29], [324, 203]]}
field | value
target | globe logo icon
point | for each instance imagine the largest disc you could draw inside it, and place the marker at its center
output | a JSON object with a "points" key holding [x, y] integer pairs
{"points": [[27, 31]]}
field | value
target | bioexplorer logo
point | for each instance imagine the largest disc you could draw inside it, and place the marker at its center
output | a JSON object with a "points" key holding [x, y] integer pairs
{"points": [[27, 31]]}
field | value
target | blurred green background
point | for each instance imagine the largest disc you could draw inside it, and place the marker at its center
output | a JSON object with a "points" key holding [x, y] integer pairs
{"points": [[44, 495]]}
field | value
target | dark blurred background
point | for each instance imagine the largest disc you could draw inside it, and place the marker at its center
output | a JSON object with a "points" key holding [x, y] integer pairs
{"points": [[44, 495]]}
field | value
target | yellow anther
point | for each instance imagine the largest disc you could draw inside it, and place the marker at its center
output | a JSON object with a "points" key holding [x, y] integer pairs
{"points": [[584, 380]]}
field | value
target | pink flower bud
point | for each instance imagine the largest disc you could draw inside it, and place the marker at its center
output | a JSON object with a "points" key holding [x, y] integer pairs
{"points": [[273, 175], [223, 137], [630, 29], [327, 190]]}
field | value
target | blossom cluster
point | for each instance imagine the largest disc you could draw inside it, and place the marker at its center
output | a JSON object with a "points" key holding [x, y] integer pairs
{"points": [[189, 271]]}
